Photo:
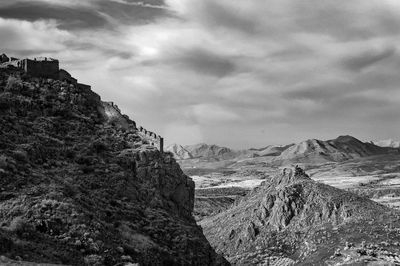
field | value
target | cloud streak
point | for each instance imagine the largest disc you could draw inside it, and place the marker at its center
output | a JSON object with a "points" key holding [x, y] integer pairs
{"points": [[368, 58]]}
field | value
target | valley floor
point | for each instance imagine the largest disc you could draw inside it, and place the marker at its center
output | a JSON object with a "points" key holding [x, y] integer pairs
{"points": [[219, 184], [376, 177]]}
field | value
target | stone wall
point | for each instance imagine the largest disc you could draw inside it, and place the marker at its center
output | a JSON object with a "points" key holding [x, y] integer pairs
{"points": [[152, 138], [113, 115], [63, 75], [84, 87], [4, 58], [45, 68]]}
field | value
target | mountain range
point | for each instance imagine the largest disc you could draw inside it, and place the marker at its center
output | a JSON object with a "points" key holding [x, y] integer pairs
{"points": [[339, 149], [204, 151]]}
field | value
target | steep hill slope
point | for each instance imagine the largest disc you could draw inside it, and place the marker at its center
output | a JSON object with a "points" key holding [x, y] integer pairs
{"points": [[179, 152], [293, 219], [80, 187]]}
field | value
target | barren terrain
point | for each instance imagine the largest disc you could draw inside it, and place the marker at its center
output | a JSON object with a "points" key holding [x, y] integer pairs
{"points": [[227, 194], [377, 177]]}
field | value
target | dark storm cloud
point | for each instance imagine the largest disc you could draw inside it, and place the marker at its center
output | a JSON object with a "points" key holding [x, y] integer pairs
{"points": [[359, 102], [320, 92], [68, 17], [368, 58], [346, 20], [217, 15], [198, 60], [107, 51], [160, 4], [138, 12], [95, 15], [206, 62]]}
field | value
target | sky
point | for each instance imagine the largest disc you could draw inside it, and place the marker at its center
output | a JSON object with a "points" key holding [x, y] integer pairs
{"points": [[241, 74]]}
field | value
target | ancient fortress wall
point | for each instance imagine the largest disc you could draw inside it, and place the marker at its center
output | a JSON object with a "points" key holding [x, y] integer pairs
{"points": [[46, 67], [114, 115], [112, 111], [49, 68], [41, 67], [152, 138]]}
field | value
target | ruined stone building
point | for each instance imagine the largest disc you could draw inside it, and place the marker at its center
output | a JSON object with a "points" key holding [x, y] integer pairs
{"points": [[152, 138], [63, 75], [45, 67], [42, 67], [113, 113], [4, 58]]}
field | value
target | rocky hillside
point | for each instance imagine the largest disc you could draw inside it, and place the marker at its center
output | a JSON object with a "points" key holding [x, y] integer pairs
{"points": [[292, 219], [179, 152], [79, 187]]}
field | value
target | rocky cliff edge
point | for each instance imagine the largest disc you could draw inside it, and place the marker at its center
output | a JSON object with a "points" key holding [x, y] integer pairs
{"points": [[78, 188]]}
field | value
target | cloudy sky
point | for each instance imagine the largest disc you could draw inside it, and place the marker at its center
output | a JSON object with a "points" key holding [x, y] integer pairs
{"points": [[243, 73]]}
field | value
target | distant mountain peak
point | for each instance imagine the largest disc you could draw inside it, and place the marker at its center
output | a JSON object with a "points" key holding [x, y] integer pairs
{"points": [[346, 138]]}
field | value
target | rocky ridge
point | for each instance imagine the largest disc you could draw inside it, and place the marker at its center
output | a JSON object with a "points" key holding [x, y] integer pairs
{"points": [[294, 219], [79, 188]]}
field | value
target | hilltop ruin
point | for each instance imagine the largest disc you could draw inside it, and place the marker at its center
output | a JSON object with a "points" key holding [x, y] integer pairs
{"points": [[46, 67], [40, 67], [80, 186]]}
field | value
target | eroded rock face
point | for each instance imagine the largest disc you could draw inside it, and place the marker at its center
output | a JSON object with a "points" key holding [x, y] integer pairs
{"points": [[78, 190], [294, 218]]}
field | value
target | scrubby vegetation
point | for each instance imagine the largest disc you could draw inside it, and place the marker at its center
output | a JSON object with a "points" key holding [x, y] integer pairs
{"points": [[77, 190]]}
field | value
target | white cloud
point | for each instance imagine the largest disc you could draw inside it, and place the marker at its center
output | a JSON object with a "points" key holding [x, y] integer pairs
{"points": [[209, 113], [183, 133], [39, 35]]}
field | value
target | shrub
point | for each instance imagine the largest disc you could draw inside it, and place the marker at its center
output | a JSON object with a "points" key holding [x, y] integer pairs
{"points": [[70, 153], [13, 84], [5, 101], [86, 169], [98, 146], [20, 226], [20, 156]]}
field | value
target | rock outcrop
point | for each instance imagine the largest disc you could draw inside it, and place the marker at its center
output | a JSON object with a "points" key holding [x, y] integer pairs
{"points": [[179, 152], [77, 188], [296, 219]]}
